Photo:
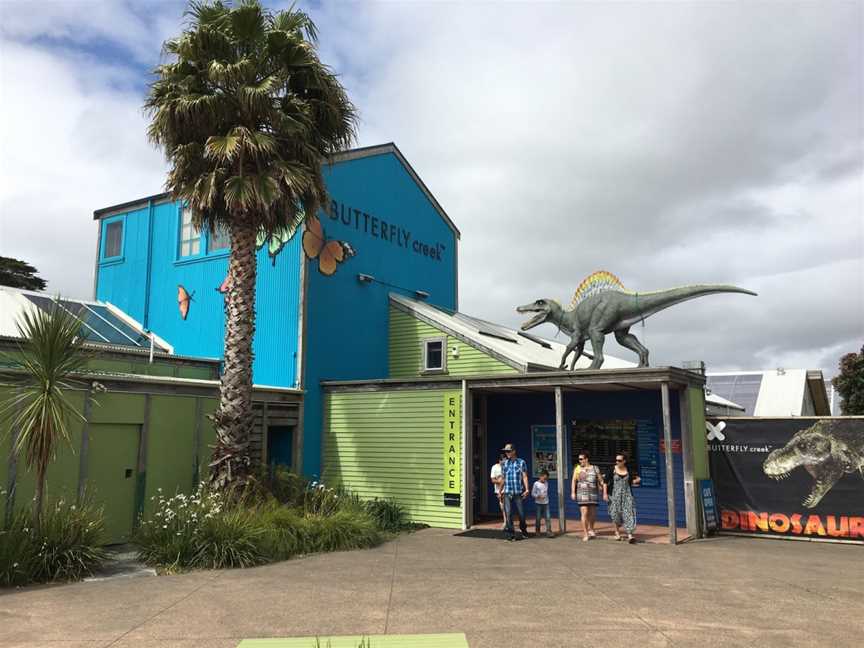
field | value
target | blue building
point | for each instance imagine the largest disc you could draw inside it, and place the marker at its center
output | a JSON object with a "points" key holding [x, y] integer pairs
{"points": [[310, 327]]}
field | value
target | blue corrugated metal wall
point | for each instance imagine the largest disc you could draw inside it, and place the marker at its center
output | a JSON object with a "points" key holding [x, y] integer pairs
{"points": [[510, 418], [346, 331], [154, 302], [121, 281]]}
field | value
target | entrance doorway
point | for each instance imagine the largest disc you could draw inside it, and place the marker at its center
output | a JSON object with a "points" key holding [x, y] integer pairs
{"points": [[280, 445]]}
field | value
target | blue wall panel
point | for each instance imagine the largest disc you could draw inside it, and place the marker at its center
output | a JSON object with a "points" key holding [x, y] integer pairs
{"points": [[346, 334], [510, 418], [118, 281], [154, 303]]}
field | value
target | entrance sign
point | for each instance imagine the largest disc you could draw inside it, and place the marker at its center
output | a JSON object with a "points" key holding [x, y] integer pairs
{"points": [[452, 448], [544, 451], [709, 505], [795, 477]]}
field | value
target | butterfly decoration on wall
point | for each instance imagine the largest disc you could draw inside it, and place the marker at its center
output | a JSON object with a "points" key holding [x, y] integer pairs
{"points": [[329, 253], [277, 240], [225, 286], [184, 298]]}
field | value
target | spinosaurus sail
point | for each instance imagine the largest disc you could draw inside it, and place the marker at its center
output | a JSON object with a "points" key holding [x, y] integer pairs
{"points": [[601, 305]]}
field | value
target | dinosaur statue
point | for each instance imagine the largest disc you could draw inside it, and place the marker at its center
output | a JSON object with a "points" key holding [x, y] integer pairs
{"points": [[602, 305], [827, 450]]}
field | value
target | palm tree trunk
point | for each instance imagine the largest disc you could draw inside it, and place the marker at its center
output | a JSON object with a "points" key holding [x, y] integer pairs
{"points": [[231, 462]]}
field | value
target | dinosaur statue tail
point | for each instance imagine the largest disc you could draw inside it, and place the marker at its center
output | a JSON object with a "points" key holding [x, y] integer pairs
{"points": [[648, 303]]}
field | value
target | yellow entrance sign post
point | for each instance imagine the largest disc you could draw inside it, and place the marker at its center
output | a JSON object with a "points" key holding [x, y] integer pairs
{"points": [[452, 448]]}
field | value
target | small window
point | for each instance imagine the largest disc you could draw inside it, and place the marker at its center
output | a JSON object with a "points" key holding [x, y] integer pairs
{"points": [[190, 236], [113, 239], [218, 240], [433, 355]]}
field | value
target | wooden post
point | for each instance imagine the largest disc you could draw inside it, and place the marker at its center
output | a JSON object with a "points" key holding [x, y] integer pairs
{"points": [[196, 455], [670, 469], [691, 509], [559, 447], [85, 445]]}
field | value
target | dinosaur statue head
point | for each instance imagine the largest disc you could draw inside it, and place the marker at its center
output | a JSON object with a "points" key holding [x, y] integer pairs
{"points": [[548, 310], [807, 448]]}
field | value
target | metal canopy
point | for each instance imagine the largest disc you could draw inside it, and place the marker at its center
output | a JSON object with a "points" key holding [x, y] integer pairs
{"points": [[629, 379]]}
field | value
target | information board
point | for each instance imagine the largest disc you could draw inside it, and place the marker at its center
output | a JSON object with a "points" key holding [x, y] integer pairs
{"points": [[709, 505], [544, 450], [648, 444]]}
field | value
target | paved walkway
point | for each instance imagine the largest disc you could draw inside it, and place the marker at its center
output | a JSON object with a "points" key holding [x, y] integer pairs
{"points": [[539, 592]]}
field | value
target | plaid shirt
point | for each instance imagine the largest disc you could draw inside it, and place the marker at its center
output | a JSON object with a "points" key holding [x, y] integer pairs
{"points": [[513, 470]]}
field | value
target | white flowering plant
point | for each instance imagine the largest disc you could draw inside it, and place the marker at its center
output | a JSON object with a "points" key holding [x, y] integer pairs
{"points": [[204, 529], [66, 547]]}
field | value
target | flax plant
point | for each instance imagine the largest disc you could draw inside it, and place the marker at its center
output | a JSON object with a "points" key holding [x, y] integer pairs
{"points": [[39, 409], [245, 112]]}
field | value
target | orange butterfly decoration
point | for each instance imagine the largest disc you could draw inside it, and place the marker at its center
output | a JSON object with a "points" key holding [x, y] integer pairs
{"points": [[329, 253], [183, 300]]}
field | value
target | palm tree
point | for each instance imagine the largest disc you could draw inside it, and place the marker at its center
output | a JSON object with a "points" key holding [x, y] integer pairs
{"points": [[246, 113], [39, 408]]}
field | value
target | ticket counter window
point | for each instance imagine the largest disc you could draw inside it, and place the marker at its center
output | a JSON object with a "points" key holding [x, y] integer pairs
{"points": [[602, 440]]}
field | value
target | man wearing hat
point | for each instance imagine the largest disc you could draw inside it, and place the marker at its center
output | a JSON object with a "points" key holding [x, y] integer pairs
{"points": [[515, 472]]}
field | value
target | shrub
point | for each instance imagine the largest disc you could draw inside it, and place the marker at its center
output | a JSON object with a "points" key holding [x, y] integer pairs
{"points": [[389, 515], [231, 539], [278, 522], [66, 548], [286, 533], [283, 485], [198, 530], [346, 529]]}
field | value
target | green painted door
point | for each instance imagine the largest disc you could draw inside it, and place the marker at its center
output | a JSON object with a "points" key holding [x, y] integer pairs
{"points": [[112, 476]]}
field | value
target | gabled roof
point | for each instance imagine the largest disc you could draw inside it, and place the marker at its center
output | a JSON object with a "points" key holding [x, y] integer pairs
{"points": [[344, 156], [521, 351], [778, 392]]}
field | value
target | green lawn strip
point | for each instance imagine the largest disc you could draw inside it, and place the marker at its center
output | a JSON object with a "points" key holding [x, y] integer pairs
{"points": [[450, 640]]}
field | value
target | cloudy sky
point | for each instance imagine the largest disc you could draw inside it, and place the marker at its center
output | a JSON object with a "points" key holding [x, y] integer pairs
{"points": [[668, 143]]}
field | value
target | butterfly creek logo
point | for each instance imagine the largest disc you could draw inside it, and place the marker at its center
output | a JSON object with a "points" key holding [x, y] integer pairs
{"points": [[715, 432], [329, 253]]}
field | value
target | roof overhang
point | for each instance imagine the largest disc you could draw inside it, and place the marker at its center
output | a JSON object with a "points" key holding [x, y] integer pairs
{"points": [[597, 380]]}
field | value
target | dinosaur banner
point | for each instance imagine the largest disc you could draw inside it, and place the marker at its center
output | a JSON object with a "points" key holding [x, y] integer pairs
{"points": [[799, 477]]}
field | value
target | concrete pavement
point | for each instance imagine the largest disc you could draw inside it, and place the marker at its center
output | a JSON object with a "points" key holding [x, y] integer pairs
{"points": [[553, 592]]}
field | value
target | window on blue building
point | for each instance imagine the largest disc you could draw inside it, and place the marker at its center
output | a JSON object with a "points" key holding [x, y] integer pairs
{"points": [[113, 239], [218, 240], [190, 236]]}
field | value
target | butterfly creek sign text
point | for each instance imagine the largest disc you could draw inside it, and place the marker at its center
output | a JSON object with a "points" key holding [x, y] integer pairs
{"points": [[379, 228]]}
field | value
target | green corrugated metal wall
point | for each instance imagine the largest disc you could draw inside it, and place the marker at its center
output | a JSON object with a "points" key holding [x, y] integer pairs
{"points": [[170, 447], [62, 477], [170, 463], [696, 400], [405, 361], [390, 444]]}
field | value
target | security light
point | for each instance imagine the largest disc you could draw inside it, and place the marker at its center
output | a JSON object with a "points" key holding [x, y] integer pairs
{"points": [[365, 278], [422, 294]]}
